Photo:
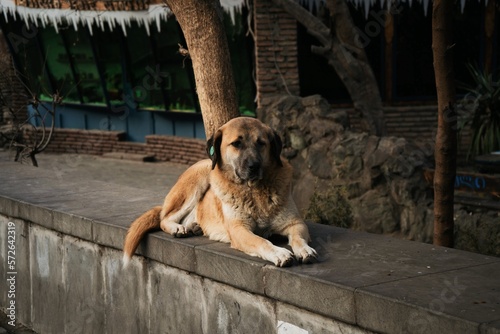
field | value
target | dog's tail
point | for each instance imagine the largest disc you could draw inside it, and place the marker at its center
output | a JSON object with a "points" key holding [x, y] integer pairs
{"points": [[145, 223]]}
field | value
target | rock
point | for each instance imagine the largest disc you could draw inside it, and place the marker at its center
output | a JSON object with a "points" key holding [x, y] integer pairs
{"points": [[373, 213], [303, 189], [477, 231], [317, 160]]}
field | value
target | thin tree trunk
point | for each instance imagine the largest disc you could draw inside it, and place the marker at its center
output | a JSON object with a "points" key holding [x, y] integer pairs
{"points": [[446, 138], [343, 52], [363, 86], [201, 23]]}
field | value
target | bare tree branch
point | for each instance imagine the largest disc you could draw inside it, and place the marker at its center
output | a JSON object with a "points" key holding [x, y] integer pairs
{"points": [[340, 47]]}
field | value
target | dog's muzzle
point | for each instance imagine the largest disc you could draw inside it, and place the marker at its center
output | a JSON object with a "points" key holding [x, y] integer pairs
{"points": [[250, 171], [254, 171]]}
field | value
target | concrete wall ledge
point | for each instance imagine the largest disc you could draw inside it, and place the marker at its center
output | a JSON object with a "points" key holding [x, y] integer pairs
{"points": [[363, 283]]}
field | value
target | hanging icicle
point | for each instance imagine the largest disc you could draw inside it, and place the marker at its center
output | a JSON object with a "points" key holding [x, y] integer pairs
{"points": [[155, 13]]}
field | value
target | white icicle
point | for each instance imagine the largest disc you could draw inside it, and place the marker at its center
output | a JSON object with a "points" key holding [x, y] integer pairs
{"points": [[155, 14]]}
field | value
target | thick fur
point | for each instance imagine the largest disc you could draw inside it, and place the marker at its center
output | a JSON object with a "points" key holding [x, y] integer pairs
{"points": [[241, 195]]}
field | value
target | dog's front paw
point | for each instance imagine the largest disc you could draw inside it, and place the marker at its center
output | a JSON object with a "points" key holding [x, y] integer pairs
{"points": [[306, 254], [194, 228], [177, 230], [281, 257], [197, 230]]}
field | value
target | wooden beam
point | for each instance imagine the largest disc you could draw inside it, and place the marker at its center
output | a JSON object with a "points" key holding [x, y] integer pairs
{"points": [[389, 37], [489, 31]]}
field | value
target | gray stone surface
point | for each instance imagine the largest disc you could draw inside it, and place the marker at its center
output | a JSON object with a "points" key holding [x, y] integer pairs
{"points": [[221, 263], [458, 299], [176, 252], [126, 294], [312, 322], [170, 289], [229, 310], [311, 293], [47, 281], [72, 241], [22, 267], [83, 288]]}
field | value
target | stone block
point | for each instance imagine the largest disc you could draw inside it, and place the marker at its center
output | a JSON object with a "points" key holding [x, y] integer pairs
{"points": [[490, 328], [220, 262], [446, 302], [176, 301], [126, 294], [312, 323], [20, 271], [109, 235], [83, 288], [42, 216], [73, 224], [228, 310], [9, 206], [46, 253], [175, 252], [316, 295]]}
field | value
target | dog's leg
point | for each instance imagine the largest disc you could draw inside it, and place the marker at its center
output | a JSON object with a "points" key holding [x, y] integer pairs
{"points": [[298, 236], [294, 228], [246, 241], [173, 228]]}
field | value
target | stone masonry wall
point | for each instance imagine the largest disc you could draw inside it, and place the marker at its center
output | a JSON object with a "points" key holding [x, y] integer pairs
{"points": [[63, 238], [382, 176], [147, 297]]}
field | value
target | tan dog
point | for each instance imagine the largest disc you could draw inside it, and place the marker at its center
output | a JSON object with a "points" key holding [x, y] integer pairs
{"points": [[241, 196]]}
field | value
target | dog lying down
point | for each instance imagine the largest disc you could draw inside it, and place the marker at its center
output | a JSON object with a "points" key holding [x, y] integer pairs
{"points": [[241, 195]]}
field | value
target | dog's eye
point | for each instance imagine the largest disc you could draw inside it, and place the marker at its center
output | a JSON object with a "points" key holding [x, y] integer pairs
{"points": [[261, 143], [236, 143]]}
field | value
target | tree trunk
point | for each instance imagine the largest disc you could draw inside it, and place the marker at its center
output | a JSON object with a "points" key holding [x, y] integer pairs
{"points": [[201, 23], [446, 138], [353, 65], [346, 56]]}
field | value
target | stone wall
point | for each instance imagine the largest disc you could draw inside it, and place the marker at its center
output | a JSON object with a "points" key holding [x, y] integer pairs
{"points": [[68, 285], [67, 276], [383, 176]]}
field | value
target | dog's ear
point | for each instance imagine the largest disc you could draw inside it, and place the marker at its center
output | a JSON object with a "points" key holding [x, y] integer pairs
{"points": [[276, 147], [213, 148]]}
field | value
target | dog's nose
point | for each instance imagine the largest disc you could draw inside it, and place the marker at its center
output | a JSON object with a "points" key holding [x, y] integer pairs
{"points": [[254, 167]]}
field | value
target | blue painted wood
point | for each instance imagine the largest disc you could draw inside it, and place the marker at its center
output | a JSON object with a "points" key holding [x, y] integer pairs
{"points": [[184, 128], [164, 125], [137, 124], [118, 123], [140, 125], [199, 130]]}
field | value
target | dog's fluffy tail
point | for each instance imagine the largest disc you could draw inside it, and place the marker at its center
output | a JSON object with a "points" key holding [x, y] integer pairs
{"points": [[147, 222]]}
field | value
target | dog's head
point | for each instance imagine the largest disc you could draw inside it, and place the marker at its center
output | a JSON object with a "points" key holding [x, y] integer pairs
{"points": [[246, 147]]}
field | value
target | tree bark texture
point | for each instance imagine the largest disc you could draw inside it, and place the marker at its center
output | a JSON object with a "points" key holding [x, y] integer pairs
{"points": [[341, 47], [203, 28], [446, 138]]}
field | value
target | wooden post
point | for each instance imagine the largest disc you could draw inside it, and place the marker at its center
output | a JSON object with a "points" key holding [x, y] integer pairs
{"points": [[446, 137], [489, 30], [389, 36]]}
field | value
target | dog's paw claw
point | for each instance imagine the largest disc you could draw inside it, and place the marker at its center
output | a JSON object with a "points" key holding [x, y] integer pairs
{"points": [[180, 232], [282, 257], [196, 229], [307, 255]]}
